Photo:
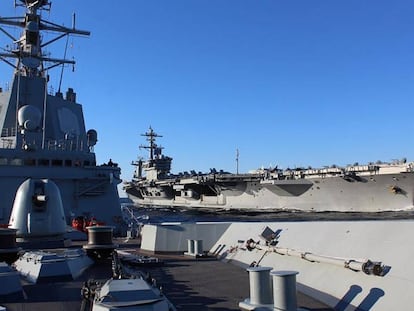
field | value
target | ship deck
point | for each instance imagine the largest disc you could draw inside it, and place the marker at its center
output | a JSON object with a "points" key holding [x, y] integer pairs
{"points": [[209, 284], [189, 283]]}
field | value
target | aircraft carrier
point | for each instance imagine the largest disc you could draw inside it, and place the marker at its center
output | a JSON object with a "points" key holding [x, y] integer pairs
{"points": [[374, 187]]}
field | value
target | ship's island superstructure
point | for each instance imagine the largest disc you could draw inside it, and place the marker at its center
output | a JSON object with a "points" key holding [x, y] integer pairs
{"points": [[43, 134], [374, 187]]}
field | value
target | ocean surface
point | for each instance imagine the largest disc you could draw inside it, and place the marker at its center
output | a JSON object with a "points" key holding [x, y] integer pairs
{"points": [[159, 215]]}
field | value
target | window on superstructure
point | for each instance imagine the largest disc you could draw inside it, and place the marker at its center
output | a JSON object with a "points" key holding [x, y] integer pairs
{"points": [[57, 162], [68, 162], [30, 162], [17, 162], [43, 162]]}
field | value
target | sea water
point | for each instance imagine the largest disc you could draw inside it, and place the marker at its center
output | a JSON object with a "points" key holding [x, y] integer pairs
{"points": [[156, 215]]}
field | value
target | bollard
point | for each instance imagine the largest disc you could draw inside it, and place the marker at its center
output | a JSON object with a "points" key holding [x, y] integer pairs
{"points": [[190, 250], [198, 247], [100, 244], [284, 290], [260, 286], [100, 235]]}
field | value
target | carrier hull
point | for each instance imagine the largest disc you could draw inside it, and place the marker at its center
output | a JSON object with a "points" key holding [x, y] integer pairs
{"points": [[333, 194]]}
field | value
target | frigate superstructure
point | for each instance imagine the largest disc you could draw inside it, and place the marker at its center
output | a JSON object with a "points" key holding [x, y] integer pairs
{"points": [[374, 187], [43, 134]]}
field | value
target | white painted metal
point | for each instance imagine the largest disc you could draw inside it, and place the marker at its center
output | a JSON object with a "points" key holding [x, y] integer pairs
{"points": [[388, 241], [190, 246], [336, 285], [130, 294], [198, 247], [172, 237], [284, 290], [260, 289]]}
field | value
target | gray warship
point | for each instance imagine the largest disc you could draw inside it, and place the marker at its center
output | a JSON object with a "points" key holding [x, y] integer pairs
{"points": [[43, 135], [50, 179], [374, 187]]}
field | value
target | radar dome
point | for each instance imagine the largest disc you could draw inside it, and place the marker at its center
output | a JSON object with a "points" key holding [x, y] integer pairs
{"points": [[92, 137], [29, 117]]}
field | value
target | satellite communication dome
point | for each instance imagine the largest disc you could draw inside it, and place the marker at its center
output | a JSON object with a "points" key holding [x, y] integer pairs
{"points": [[29, 117], [92, 137]]}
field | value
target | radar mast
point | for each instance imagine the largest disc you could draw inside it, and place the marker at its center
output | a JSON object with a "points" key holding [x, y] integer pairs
{"points": [[27, 49], [153, 147]]}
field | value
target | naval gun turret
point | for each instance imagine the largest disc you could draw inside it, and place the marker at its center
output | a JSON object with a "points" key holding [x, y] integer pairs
{"points": [[38, 212]]}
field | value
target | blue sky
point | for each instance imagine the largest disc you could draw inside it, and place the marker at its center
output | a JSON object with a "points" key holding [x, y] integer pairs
{"points": [[289, 83]]}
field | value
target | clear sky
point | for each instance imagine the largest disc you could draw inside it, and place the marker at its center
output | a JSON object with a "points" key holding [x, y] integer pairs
{"points": [[289, 83]]}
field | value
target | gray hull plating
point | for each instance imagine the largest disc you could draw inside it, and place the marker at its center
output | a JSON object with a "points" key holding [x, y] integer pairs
{"points": [[90, 191], [333, 194], [43, 134]]}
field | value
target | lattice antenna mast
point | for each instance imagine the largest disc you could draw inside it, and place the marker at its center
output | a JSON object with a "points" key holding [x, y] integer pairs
{"points": [[27, 49], [151, 138]]}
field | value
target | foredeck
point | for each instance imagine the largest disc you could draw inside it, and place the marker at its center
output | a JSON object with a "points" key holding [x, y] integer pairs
{"points": [[189, 283], [209, 284]]}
